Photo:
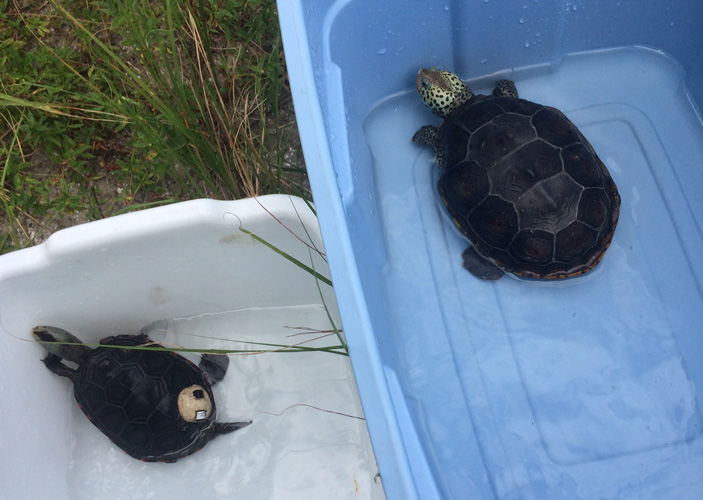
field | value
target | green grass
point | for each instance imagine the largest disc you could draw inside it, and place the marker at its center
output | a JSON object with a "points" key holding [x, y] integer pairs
{"points": [[112, 106]]}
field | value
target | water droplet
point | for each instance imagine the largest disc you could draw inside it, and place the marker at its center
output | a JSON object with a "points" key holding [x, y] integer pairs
{"points": [[522, 20], [446, 7], [527, 45], [382, 51], [483, 61]]}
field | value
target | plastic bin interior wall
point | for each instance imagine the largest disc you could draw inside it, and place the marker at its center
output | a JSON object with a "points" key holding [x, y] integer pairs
{"points": [[455, 374]]}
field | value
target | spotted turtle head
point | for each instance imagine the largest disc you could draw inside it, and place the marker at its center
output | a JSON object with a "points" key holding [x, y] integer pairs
{"points": [[441, 91]]}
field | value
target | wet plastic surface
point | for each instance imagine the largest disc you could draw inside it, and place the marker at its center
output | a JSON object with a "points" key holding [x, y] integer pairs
{"points": [[586, 388]]}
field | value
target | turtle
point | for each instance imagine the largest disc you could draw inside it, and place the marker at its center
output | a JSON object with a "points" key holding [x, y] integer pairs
{"points": [[155, 405], [519, 180]]}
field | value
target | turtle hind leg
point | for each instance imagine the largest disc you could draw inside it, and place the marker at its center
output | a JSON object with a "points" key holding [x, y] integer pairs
{"points": [[54, 363], [214, 366], [505, 88], [480, 266], [227, 427]]}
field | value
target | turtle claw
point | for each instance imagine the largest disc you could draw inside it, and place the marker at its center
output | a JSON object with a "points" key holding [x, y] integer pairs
{"points": [[214, 366]]}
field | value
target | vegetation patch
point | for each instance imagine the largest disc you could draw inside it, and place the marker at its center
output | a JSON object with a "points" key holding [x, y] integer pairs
{"points": [[112, 106]]}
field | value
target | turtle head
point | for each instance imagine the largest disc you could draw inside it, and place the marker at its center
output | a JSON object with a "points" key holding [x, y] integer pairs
{"points": [[441, 91], [60, 342]]}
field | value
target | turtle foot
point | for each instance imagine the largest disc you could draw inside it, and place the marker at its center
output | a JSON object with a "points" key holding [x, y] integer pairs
{"points": [[479, 266]]}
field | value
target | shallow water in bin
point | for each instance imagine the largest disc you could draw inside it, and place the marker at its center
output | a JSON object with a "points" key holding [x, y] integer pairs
{"points": [[547, 378], [288, 451]]}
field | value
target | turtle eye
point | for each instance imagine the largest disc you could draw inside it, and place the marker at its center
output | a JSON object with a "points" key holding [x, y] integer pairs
{"points": [[198, 394]]}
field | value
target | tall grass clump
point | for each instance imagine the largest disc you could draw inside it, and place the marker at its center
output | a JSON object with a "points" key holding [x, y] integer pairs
{"points": [[112, 105]]}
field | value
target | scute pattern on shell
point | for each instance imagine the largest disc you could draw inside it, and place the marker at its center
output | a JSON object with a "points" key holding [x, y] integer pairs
{"points": [[131, 395], [527, 189]]}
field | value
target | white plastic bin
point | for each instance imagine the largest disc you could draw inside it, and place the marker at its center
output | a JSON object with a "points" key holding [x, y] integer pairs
{"points": [[188, 263]]}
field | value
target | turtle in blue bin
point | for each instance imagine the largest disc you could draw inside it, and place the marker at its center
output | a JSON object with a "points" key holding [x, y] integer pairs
{"points": [[154, 404], [519, 179]]}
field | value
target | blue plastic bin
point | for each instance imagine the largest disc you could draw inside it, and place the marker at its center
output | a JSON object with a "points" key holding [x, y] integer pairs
{"points": [[585, 388]]}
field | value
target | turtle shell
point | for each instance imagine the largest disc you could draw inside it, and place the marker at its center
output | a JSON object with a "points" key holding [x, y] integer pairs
{"points": [[526, 188], [131, 395]]}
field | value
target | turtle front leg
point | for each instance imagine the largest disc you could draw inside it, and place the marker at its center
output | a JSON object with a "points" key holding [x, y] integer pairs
{"points": [[54, 363], [505, 88], [427, 136], [215, 366]]}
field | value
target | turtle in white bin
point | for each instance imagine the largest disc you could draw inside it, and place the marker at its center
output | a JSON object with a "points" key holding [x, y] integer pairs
{"points": [[156, 405]]}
